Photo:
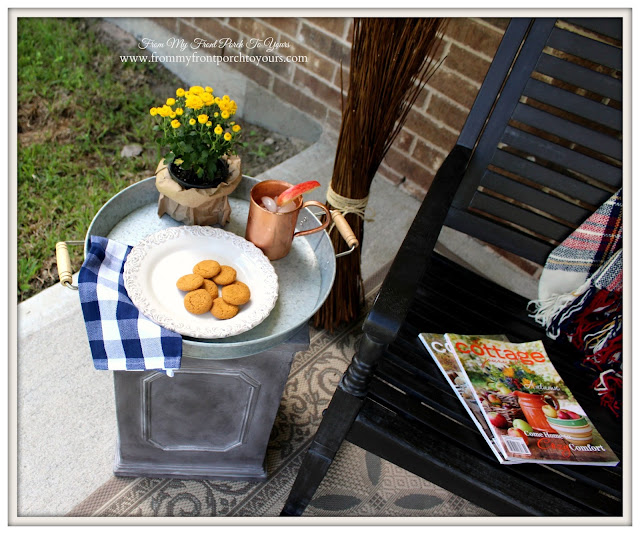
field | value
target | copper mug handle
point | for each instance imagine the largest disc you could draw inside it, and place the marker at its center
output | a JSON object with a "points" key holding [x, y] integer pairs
{"points": [[322, 226]]}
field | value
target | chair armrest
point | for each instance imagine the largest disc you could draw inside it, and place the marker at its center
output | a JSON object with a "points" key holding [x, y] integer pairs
{"points": [[398, 289]]}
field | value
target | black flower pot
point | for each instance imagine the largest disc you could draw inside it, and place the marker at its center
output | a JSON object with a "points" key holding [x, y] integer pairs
{"points": [[190, 180]]}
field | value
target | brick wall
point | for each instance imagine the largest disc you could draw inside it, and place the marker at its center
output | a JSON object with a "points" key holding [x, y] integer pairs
{"points": [[314, 86]]}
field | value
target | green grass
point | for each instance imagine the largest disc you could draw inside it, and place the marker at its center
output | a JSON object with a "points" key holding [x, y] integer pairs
{"points": [[254, 145], [78, 105]]}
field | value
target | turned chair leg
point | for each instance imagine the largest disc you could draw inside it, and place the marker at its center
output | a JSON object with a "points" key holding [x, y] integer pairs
{"points": [[333, 428], [336, 422]]}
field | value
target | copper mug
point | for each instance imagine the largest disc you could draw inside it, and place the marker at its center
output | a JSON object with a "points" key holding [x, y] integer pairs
{"points": [[271, 232]]}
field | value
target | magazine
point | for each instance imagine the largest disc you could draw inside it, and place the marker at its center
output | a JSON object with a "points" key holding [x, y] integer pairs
{"points": [[529, 411], [444, 356]]}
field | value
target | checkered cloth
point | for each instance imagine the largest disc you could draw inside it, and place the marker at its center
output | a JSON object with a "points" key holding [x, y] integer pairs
{"points": [[580, 296], [120, 337]]}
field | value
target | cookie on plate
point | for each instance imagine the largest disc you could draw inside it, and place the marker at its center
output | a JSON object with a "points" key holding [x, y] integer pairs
{"points": [[211, 287], [198, 301], [189, 282], [236, 293], [223, 310], [226, 276], [207, 268]]}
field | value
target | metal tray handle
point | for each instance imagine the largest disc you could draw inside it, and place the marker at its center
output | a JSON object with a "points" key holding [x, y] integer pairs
{"points": [[345, 231], [65, 273]]}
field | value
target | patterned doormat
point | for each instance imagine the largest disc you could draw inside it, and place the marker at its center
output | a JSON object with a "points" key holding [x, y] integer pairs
{"points": [[358, 484]]}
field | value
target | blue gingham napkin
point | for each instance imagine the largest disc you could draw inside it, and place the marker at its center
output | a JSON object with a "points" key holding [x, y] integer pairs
{"points": [[120, 337]]}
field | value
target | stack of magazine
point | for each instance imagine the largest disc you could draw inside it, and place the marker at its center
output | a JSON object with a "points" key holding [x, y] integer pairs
{"points": [[518, 400]]}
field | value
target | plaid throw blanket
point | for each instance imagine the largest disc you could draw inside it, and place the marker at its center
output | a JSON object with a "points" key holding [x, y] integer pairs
{"points": [[120, 337], [580, 296]]}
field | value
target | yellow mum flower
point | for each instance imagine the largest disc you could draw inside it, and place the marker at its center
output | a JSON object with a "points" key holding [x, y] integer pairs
{"points": [[207, 98], [217, 100], [164, 111], [171, 101], [153, 112], [236, 128], [173, 114], [224, 114], [179, 111], [227, 136], [208, 89], [192, 121], [209, 124], [226, 98], [216, 114], [180, 92], [218, 130], [196, 90], [194, 102], [175, 123], [203, 118]]}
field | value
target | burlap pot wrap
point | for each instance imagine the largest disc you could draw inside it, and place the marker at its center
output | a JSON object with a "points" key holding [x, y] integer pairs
{"points": [[202, 207]]}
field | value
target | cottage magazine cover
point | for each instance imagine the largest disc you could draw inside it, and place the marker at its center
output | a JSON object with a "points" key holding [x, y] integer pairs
{"points": [[532, 414]]}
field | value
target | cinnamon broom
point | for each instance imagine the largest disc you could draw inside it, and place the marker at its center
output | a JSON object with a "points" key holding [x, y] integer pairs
{"points": [[391, 61]]}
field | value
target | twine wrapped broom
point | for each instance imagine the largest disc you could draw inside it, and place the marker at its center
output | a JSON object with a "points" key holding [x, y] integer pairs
{"points": [[391, 61]]}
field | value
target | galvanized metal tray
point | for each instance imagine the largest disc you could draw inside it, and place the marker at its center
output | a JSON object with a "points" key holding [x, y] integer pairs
{"points": [[305, 275]]}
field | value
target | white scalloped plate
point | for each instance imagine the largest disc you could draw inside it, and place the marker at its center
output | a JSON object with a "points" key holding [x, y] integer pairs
{"points": [[155, 264]]}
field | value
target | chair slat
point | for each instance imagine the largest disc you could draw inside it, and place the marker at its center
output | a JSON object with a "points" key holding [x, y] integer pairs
{"points": [[415, 360], [535, 198], [566, 129], [408, 403], [579, 76], [527, 220], [610, 27], [548, 178], [507, 238], [562, 99], [563, 157], [586, 48]]}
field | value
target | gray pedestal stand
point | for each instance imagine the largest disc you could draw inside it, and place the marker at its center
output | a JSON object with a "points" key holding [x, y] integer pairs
{"points": [[214, 417], [211, 420]]}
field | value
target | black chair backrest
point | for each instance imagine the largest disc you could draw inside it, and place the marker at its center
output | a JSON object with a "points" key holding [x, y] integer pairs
{"points": [[548, 150], [539, 152]]}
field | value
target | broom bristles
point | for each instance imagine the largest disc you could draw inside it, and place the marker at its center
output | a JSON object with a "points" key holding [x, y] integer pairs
{"points": [[391, 61]]}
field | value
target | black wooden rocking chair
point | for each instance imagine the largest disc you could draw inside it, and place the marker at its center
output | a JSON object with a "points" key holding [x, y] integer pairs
{"points": [[541, 149]]}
